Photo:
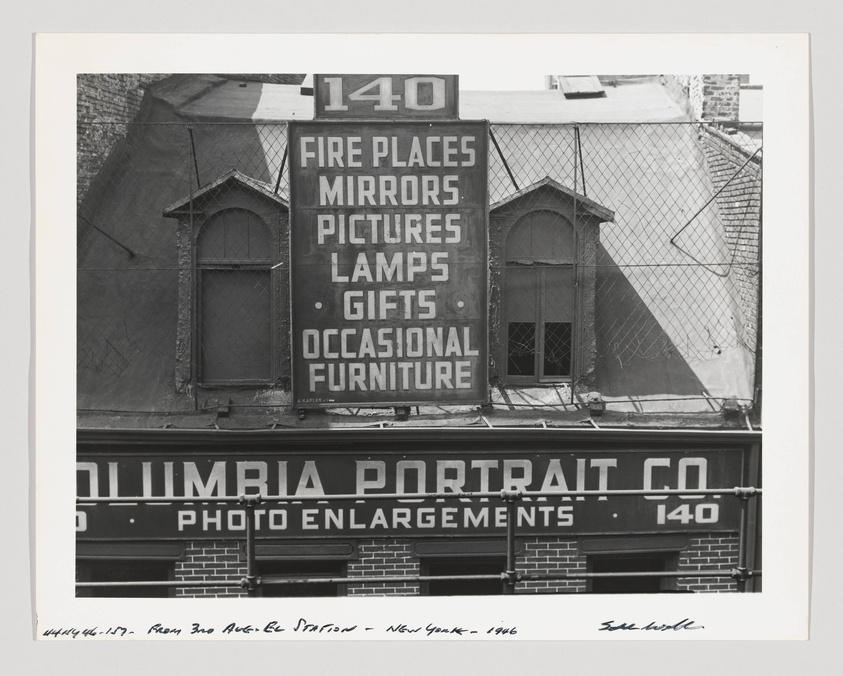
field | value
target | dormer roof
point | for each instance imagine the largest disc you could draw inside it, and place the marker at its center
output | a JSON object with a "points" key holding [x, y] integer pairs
{"points": [[221, 184], [583, 203]]}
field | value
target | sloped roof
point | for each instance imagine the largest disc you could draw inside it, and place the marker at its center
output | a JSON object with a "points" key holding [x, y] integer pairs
{"points": [[590, 206], [223, 182], [268, 78], [648, 176], [642, 100]]}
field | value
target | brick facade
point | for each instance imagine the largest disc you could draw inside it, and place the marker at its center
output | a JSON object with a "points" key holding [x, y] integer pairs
{"points": [[548, 556], [388, 559], [105, 105], [211, 561], [710, 552], [225, 561], [739, 205], [711, 98]]}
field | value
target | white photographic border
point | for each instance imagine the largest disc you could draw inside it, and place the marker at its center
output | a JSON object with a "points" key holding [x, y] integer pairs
{"points": [[780, 62]]}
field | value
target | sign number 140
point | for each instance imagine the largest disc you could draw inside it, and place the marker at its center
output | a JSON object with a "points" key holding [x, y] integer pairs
{"points": [[703, 513], [385, 94]]}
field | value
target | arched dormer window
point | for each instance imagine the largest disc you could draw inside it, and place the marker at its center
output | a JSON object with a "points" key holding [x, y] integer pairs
{"points": [[232, 296], [233, 262], [544, 241], [540, 297]]}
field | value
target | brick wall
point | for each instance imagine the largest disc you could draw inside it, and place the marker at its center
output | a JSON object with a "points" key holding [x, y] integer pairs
{"points": [[223, 562], [216, 561], [384, 558], [709, 552], [105, 104], [720, 97], [550, 556], [708, 97], [739, 206]]}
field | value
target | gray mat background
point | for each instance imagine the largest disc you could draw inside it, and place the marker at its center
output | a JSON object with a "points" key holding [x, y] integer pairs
{"points": [[820, 655]]}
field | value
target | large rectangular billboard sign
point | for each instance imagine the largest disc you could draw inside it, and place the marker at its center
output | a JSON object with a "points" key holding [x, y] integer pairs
{"points": [[319, 475], [388, 241]]}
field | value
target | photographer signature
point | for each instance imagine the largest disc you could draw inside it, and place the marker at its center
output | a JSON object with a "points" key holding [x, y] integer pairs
{"points": [[611, 625]]}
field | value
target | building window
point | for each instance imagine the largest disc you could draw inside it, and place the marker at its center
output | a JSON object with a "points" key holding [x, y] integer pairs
{"points": [[122, 570], [469, 566], [632, 563], [292, 569], [540, 298], [234, 260]]}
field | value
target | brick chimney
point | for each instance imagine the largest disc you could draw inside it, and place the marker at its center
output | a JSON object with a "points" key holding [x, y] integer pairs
{"points": [[715, 98]]}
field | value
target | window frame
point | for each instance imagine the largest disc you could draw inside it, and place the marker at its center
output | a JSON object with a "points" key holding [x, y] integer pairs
{"points": [[117, 555], [496, 562], [667, 583], [540, 290], [267, 562], [86, 567], [234, 264], [303, 553]]}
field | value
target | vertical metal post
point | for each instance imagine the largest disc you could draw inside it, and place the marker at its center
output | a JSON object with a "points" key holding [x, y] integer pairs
{"points": [[576, 351], [194, 287], [283, 162], [503, 159], [742, 574], [511, 498], [753, 522], [579, 154], [195, 161], [251, 580]]}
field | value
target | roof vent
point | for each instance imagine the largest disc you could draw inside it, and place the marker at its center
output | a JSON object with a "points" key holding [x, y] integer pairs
{"points": [[580, 86]]}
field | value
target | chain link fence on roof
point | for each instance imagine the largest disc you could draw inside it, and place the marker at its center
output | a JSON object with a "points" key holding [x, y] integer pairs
{"points": [[677, 269]]}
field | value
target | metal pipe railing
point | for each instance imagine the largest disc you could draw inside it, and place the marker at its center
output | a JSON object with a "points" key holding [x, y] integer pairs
{"points": [[162, 583], [371, 579], [737, 491]]}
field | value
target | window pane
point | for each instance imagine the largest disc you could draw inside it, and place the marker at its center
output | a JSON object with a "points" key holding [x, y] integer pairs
{"points": [[302, 569], [521, 349], [125, 571], [558, 294], [542, 236], [234, 235], [540, 297], [465, 587], [521, 293], [236, 331], [629, 564], [557, 349]]}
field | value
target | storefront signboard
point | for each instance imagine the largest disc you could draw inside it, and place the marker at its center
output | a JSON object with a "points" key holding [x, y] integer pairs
{"points": [[302, 490], [388, 239]]}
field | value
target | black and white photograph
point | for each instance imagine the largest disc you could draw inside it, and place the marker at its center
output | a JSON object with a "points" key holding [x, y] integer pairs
{"points": [[375, 334], [351, 339]]}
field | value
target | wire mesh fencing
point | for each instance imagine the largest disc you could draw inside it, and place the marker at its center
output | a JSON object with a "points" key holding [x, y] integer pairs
{"points": [[675, 271]]}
